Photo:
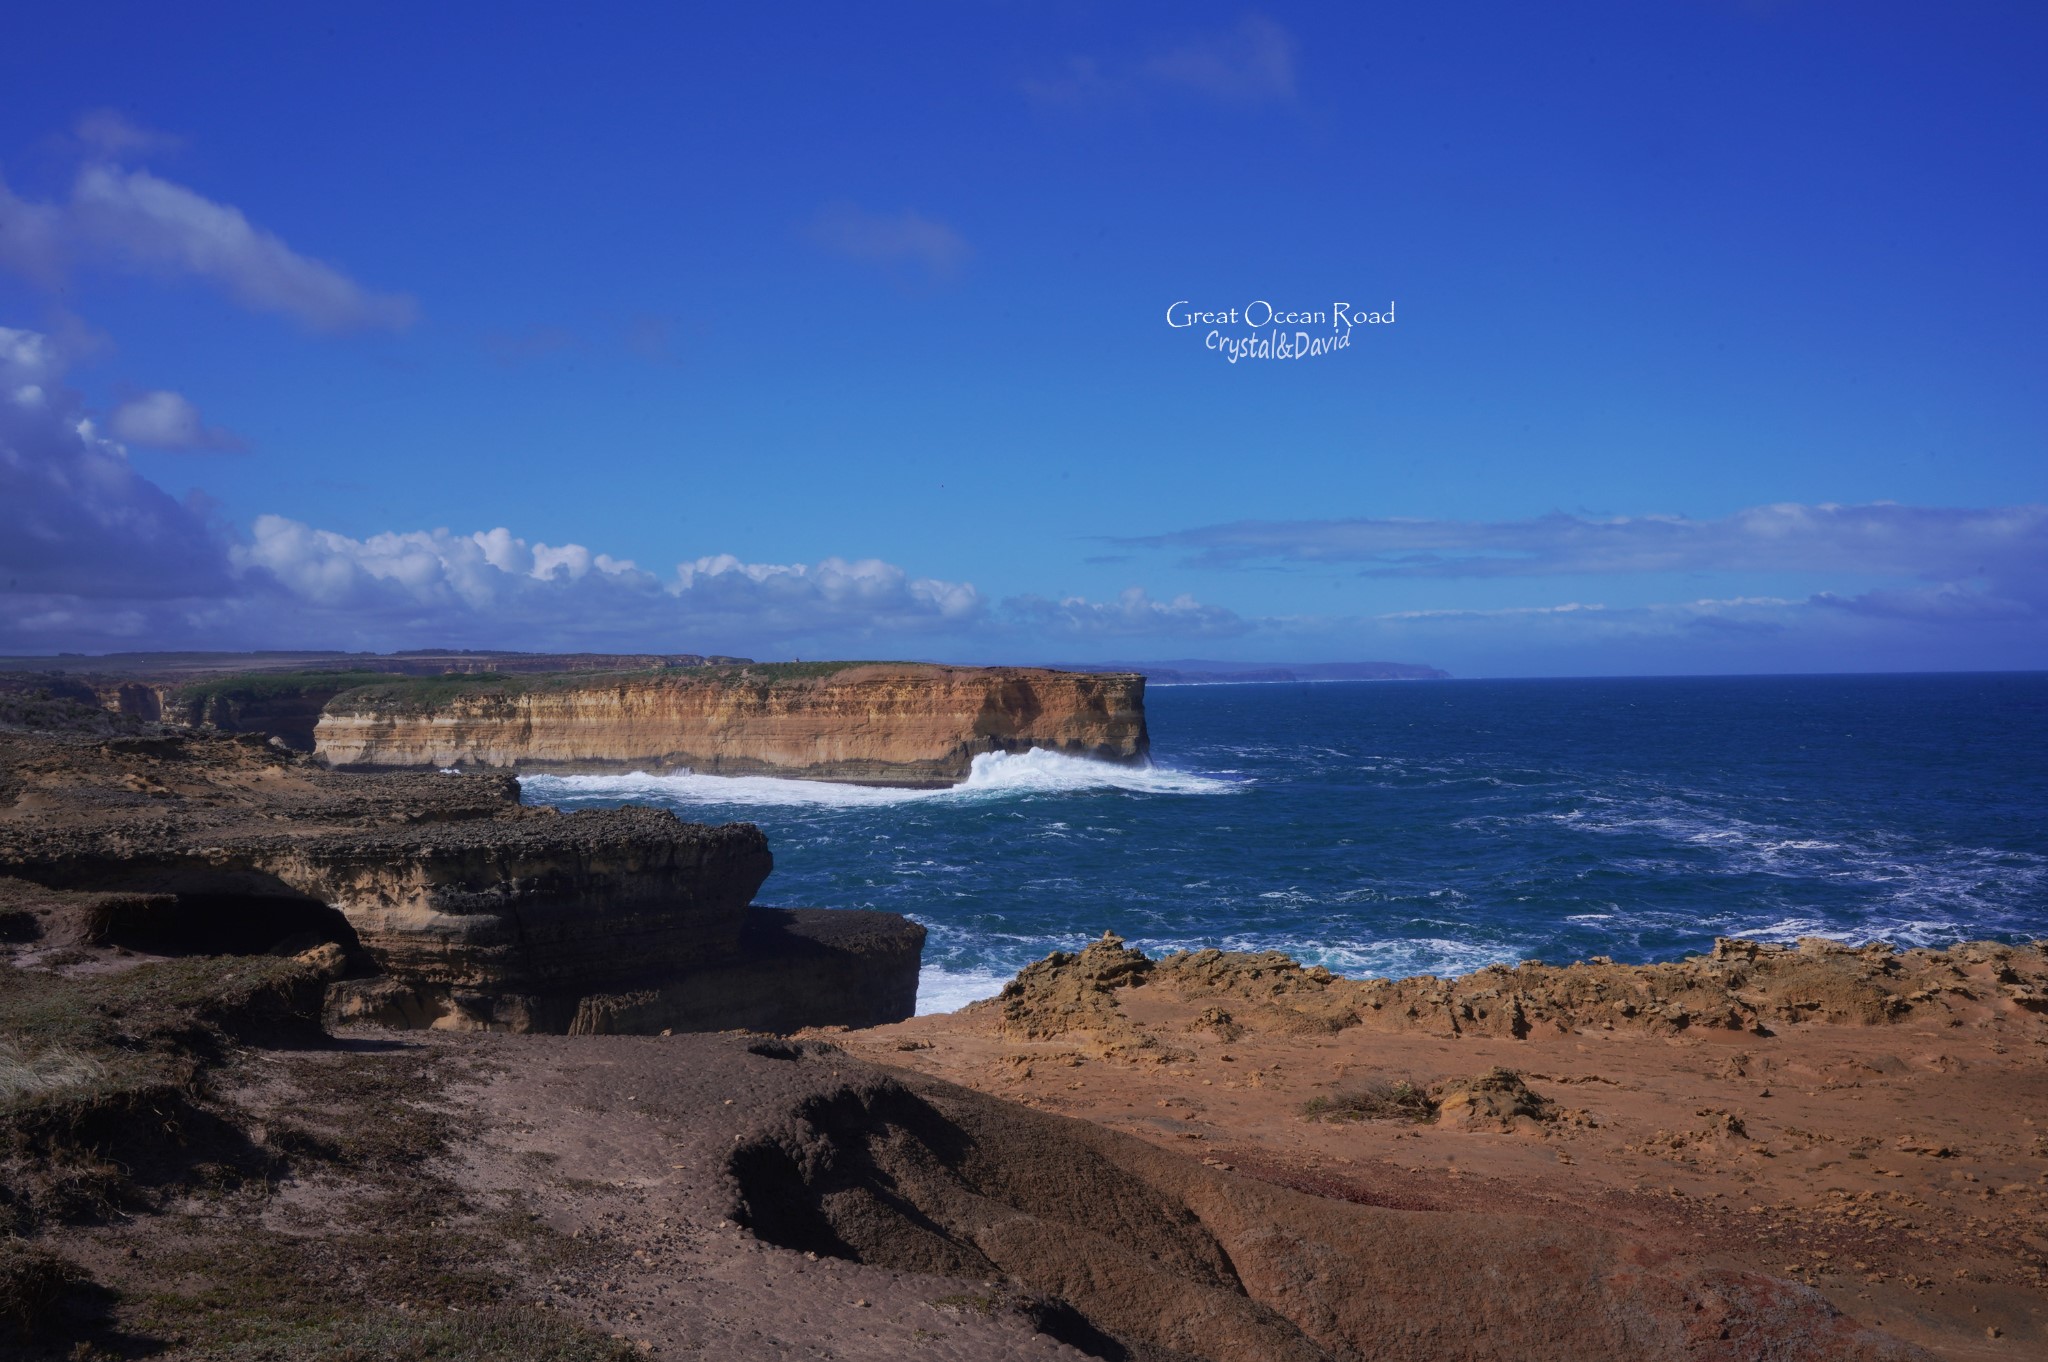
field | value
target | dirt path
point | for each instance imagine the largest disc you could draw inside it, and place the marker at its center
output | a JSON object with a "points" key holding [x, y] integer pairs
{"points": [[620, 1143]]}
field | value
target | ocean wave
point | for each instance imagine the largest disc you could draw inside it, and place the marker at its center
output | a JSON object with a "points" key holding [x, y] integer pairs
{"points": [[948, 990], [1039, 771], [1387, 958], [1905, 881], [993, 775]]}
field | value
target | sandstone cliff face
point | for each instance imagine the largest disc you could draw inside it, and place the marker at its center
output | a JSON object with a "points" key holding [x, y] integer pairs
{"points": [[474, 911], [871, 724]]}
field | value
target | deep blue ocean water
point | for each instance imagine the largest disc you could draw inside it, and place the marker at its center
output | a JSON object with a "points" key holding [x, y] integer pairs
{"points": [[1402, 827]]}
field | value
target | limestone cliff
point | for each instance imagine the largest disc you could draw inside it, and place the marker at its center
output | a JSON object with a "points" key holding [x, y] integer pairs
{"points": [[449, 902], [871, 723]]}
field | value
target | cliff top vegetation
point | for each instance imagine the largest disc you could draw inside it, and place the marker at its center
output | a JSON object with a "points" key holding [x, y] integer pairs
{"points": [[416, 693]]}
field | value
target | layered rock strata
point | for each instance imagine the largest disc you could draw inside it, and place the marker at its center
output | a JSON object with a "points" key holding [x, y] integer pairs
{"points": [[461, 907], [879, 724]]}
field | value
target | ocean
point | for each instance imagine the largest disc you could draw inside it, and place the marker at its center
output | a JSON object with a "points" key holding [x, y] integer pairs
{"points": [[1390, 828]]}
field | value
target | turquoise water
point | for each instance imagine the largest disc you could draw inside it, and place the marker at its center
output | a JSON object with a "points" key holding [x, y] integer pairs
{"points": [[1393, 828]]}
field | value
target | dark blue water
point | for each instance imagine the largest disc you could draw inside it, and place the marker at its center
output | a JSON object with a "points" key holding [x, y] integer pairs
{"points": [[1392, 828]]}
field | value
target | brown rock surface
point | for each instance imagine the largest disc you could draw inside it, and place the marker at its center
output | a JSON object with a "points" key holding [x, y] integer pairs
{"points": [[479, 911], [882, 724], [1871, 1123], [745, 1197], [907, 1217]]}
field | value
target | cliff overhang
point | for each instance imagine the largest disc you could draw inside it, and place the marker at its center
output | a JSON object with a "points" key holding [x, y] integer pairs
{"points": [[433, 900]]}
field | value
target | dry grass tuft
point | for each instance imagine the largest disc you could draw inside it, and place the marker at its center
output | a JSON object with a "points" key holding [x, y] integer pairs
{"points": [[1380, 1100], [25, 1072]]}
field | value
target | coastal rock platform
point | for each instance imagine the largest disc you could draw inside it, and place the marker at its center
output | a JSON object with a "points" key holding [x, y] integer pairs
{"points": [[437, 900], [1870, 1123]]}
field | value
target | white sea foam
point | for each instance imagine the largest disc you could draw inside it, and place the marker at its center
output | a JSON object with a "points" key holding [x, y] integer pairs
{"points": [[943, 990], [948, 990], [993, 775], [1398, 958], [1393, 958], [1918, 894]]}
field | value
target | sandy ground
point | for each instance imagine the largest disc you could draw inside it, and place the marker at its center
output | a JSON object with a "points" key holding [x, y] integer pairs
{"points": [[1901, 1168], [613, 1142]]}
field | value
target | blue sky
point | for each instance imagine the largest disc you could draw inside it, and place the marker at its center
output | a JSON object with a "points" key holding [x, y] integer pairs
{"points": [[1718, 339]]}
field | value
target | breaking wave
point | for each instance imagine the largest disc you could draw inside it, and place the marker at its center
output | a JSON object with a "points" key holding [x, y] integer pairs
{"points": [[994, 775]]}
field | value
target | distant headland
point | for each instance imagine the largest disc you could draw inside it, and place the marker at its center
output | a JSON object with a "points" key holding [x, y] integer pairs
{"points": [[877, 723]]}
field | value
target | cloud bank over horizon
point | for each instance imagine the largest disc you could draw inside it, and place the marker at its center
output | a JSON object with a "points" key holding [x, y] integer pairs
{"points": [[1904, 587], [96, 557], [1881, 538]]}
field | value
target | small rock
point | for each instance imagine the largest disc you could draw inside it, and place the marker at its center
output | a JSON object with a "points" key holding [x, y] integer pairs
{"points": [[1492, 1099]]}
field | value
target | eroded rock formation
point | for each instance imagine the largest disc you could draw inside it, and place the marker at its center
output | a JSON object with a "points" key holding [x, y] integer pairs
{"points": [[1740, 986], [880, 724], [473, 910], [1863, 1120]]}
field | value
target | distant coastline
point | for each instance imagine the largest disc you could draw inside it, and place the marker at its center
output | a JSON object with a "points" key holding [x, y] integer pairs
{"points": [[1206, 672], [1157, 681]]}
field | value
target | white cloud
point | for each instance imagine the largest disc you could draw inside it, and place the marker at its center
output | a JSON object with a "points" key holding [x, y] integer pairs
{"points": [[1912, 586], [31, 239], [894, 240], [2003, 547], [76, 519], [494, 587], [1251, 63], [1132, 613], [1568, 608], [108, 132], [133, 220], [168, 420], [93, 555]]}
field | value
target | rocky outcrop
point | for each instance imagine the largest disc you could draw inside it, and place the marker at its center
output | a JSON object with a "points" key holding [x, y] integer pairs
{"points": [[458, 906], [798, 967], [880, 724], [286, 712], [1740, 986]]}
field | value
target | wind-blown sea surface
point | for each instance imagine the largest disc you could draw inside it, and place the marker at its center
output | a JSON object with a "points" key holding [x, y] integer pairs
{"points": [[1403, 827]]}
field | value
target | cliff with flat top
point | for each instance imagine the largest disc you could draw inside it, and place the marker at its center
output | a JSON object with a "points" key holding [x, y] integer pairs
{"points": [[871, 723], [429, 901]]}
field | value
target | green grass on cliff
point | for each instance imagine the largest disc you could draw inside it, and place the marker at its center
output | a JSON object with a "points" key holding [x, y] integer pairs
{"points": [[82, 1055], [247, 686], [788, 671], [419, 694]]}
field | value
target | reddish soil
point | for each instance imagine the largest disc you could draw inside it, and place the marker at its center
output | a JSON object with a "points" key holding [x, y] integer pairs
{"points": [[1898, 1166]]}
